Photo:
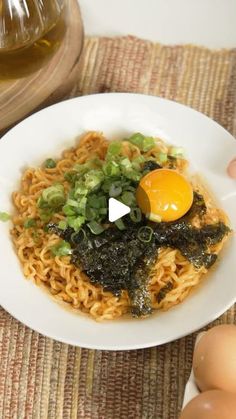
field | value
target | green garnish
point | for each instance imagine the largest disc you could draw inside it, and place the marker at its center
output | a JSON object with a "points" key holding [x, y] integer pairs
{"points": [[154, 217], [52, 197], [177, 152], [128, 198], [145, 234], [63, 248], [162, 157], [136, 215], [62, 225], [111, 168], [115, 190], [49, 164], [29, 223], [75, 222], [95, 227], [114, 149], [4, 216], [120, 224], [143, 143], [92, 183]]}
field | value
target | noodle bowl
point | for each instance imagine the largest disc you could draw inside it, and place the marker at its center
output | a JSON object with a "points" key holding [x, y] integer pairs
{"points": [[69, 283]]}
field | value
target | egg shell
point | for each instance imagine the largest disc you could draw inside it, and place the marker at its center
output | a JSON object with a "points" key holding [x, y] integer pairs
{"points": [[214, 359], [214, 404]]}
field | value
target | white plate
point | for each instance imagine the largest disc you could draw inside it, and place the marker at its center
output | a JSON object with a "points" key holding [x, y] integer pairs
{"points": [[46, 134]]}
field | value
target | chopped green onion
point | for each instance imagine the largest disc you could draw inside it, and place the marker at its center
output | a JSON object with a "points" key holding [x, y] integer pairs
{"points": [[137, 139], [129, 188], [136, 215], [71, 177], [154, 217], [49, 164], [80, 189], [120, 224], [67, 210], [128, 198], [115, 190], [97, 202], [162, 157], [93, 178], [95, 227], [81, 169], [93, 201], [62, 225], [102, 211], [145, 234], [82, 205], [177, 152], [138, 162], [142, 142], [111, 168], [75, 222], [72, 203], [4, 216], [61, 249], [148, 143], [52, 197], [102, 201], [91, 214], [45, 215], [29, 222], [132, 175], [114, 148], [125, 162]]}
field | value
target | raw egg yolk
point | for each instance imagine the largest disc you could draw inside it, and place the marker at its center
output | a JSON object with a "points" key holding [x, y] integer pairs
{"points": [[164, 195]]}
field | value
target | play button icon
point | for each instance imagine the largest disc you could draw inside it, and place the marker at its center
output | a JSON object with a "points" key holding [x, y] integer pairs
{"points": [[117, 210]]}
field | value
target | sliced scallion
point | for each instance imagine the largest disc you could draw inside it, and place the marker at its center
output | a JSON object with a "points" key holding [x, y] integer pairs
{"points": [[162, 157], [62, 224], [111, 168], [93, 178], [145, 234], [148, 143], [68, 210], [128, 198], [136, 215], [177, 152], [154, 217], [115, 190], [120, 224], [52, 197], [4, 216], [137, 139], [63, 248], [114, 148], [49, 164], [95, 227], [75, 222]]}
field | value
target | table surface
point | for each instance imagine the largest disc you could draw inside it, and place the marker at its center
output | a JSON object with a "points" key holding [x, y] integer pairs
{"points": [[209, 23]]}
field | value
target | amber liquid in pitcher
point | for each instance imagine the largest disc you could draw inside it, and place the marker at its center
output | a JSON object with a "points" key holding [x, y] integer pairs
{"points": [[18, 61]]}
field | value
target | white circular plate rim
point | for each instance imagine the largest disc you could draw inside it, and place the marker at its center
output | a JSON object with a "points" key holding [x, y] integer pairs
{"points": [[116, 114]]}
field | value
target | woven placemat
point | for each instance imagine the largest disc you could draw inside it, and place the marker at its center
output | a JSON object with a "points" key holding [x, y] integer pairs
{"points": [[41, 378]]}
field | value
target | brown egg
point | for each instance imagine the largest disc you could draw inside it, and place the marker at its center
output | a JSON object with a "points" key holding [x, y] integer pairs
{"points": [[214, 404], [214, 359], [231, 169]]}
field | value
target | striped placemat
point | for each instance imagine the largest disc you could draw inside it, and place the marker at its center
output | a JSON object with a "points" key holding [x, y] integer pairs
{"points": [[41, 378]]}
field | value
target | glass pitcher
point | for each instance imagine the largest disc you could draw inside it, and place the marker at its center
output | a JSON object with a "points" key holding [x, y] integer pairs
{"points": [[30, 33]]}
